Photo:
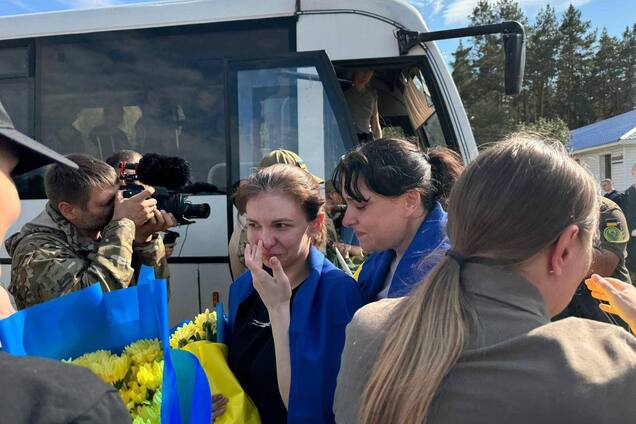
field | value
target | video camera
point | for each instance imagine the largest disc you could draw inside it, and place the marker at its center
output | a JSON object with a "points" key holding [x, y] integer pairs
{"points": [[169, 176]]}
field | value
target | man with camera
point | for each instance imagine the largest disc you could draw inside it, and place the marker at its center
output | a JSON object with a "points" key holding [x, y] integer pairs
{"points": [[87, 233]]}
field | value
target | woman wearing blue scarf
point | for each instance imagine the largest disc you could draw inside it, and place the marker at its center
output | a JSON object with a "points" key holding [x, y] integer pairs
{"points": [[288, 313], [393, 193]]}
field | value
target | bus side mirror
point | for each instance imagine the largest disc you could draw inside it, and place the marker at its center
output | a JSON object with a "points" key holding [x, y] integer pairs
{"points": [[514, 40], [514, 67]]}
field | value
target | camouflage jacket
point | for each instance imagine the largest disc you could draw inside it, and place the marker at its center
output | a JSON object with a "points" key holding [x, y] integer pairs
{"points": [[50, 258]]}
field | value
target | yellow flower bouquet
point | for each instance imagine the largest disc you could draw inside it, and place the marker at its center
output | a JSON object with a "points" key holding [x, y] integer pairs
{"points": [[137, 374]]}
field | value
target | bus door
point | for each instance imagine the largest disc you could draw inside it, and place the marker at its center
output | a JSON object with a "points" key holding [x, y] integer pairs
{"points": [[291, 101]]}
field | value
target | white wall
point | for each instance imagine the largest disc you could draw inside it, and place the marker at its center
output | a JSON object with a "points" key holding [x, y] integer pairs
{"points": [[621, 170], [591, 163], [630, 159]]}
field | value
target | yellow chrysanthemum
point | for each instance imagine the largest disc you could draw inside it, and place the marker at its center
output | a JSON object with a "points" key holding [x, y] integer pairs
{"points": [[133, 394], [156, 398], [147, 414], [142, 351], [183, 335], [110, 368], [205, 320], [150, 375], [116, 368]]}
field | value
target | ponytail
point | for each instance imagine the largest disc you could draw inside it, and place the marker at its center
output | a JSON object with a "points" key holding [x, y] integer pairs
{"points": [[420, 352], [446, 167]]}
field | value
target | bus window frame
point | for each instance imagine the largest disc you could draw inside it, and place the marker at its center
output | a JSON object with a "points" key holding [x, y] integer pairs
{"points": [[317, 59]]}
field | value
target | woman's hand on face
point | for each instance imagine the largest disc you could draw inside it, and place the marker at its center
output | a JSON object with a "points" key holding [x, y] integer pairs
{"points": [[620, 297], [275, 291]]}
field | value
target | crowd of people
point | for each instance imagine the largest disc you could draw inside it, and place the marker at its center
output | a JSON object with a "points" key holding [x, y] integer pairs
{"points": [[464, 310]]}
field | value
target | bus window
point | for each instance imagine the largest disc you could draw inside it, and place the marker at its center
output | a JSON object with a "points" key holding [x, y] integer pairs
{"points": [[421, 110], [14, 62], [406, 106], [133, 96], [287, 107], [154, 91], [15, 95]]}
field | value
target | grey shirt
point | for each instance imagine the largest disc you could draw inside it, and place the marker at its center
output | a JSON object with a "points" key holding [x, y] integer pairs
{"points": [[517, 368], [361, 105], [42, 391]]}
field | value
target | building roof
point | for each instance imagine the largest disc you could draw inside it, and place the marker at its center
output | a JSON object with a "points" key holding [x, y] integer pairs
{"points": [[610, 130]]}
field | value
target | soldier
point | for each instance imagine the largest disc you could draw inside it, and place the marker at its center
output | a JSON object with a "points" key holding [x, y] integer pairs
{"points": [[87, 233], [37, 390], [608, 260]]}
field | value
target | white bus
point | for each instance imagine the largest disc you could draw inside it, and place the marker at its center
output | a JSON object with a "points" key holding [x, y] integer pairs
{"points": [[220, 83]]}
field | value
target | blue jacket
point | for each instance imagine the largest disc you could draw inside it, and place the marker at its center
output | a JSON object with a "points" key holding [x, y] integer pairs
{"points": [[425, 250], [322, 307]]}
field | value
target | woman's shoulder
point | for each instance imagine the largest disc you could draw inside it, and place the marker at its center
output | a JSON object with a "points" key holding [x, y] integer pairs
{"points": [[584, 343], [373, 319]]}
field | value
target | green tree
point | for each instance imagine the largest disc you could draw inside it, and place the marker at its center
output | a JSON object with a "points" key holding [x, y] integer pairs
{"points": [[555, 129], [575, 53], [514, 107], [463, 72], [627, 60], [541, 63], [604, 82]]}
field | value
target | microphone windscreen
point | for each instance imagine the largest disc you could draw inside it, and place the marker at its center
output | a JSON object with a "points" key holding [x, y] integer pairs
{"points": [[163, 171]]}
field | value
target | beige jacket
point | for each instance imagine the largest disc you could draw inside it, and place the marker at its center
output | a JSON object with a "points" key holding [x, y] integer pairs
{"points": [[518, 367]]}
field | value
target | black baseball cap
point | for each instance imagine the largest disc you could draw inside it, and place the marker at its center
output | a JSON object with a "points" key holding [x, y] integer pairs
{"points": [[31, 154]]}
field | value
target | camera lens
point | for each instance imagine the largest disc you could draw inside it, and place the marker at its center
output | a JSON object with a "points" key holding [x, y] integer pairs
{"points": [[201, 210]]}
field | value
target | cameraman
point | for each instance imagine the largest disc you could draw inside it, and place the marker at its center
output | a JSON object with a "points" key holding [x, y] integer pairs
{"points": [[87, 233]]}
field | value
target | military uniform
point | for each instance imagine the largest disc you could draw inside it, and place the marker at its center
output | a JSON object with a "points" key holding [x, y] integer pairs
{"points": [[49, 258], [613, 236], [629, 208]]}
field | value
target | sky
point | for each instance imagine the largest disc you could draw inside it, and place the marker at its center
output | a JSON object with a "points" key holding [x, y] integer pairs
{"points": [[614, 15]]}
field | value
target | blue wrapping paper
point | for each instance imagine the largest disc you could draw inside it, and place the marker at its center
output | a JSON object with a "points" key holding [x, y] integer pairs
{"points": [[88, 320]]}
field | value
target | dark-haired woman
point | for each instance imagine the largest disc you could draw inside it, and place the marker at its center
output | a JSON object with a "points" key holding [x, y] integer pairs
{"points": [[287, 315], [392, 191], [474, 343]]}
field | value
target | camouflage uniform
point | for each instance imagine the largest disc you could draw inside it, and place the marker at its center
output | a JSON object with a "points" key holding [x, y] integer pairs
{"points": [[613, 236], [49, 258]]}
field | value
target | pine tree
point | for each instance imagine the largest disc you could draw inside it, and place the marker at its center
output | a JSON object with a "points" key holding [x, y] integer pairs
{"points": [[515, 107], [463, 72], [541, 63], [604, 82], [485, 109], [573, 103], [627, 60]]}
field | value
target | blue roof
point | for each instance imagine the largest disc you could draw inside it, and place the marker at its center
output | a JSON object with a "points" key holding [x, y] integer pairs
{"points": [[602, 132]]}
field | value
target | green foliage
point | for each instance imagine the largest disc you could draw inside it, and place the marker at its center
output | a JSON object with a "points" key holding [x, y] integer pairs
{"points": [[572, 79], [555, 129]]}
